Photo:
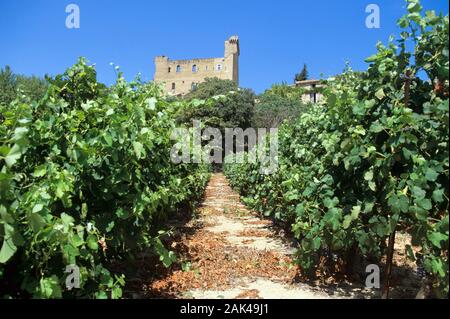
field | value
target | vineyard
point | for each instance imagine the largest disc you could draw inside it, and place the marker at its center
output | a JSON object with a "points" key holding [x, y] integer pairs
{"points": [[86, 176], [372, 161], [86, 179]]}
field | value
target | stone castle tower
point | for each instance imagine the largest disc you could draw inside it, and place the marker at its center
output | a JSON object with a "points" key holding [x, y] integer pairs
{"points": [[181, 76]]}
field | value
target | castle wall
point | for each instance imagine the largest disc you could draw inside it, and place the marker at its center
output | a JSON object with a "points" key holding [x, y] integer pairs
{"points": [[181, 76]]}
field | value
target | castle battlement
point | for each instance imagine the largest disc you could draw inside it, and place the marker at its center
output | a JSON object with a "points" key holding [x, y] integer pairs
{"points": [[181, 76]]}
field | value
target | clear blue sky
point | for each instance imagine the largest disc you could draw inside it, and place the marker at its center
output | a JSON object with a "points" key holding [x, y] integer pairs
{"points": [[277, 37]]}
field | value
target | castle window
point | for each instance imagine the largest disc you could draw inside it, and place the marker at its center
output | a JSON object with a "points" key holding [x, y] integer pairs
{"points": [[194, 68], [168, 70], [219, 67], [206, 68], [178, 69], [173, 86]]}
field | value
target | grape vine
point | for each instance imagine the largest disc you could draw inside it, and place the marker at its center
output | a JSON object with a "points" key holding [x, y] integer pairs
{"points": [[85, 179], [372, 160]]}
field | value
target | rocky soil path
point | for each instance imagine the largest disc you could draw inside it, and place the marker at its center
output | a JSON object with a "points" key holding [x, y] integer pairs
{"points": [[227, 251]]}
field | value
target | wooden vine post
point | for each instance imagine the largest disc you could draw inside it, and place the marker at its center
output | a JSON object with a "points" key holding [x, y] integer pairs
{"points": [[388, 270], [391, 243]]}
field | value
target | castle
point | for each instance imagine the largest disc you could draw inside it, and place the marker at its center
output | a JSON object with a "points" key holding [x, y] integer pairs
{"points": [[182, 76]]}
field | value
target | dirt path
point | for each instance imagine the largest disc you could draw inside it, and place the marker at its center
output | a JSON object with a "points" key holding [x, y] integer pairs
{"points": [[229, 252]]}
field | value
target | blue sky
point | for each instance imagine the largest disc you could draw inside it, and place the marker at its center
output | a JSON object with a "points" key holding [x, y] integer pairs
{"points": [[276, 37]]}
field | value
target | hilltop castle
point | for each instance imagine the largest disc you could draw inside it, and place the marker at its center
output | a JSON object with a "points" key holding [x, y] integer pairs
{"points": [[182, 76]]}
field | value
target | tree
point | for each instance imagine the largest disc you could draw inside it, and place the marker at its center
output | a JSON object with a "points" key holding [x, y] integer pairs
{"points": [[233, 109], [212, 87], [286, 91], [11, 85], [303, 75], [7, 85], [227, 106], [278, 104], [33, 87]]}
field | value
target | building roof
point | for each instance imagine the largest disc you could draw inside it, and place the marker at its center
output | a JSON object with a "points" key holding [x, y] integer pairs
{"points": [[307, 82]]}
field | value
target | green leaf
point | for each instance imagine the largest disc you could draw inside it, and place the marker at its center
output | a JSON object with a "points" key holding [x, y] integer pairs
{"points": [[438, 195], [8, 248], [424, 203], [110, 226], [410, 252], [436, 238], [331, 100], [50, 288], [121, 213], [116, 293], [197, 102], [152, 103], [138, 149], [186, 266], [418, 192], [108, 139], [359, 109], [36, 222], [170, 260], [37, 208], [403, 22], [403, 203], [84, 210], [330, 202], [420, 213], [5, 216], [4, 150], [19, 134], [165, 256], [316, 243], [372, 58], [368, 176], [332, 218], [355, 212], [40, 171], [92, 242], [380, 94], [67, 219], [359, 130], [438, 267], [398, 203], [414, 7], [431, 175], [101, 295], [71, 252], [376, 127], [299, 210], [308, 191], [347, 221], [379, 226], [59, 192], [14, 154], [76, 240], [368, 206]]}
